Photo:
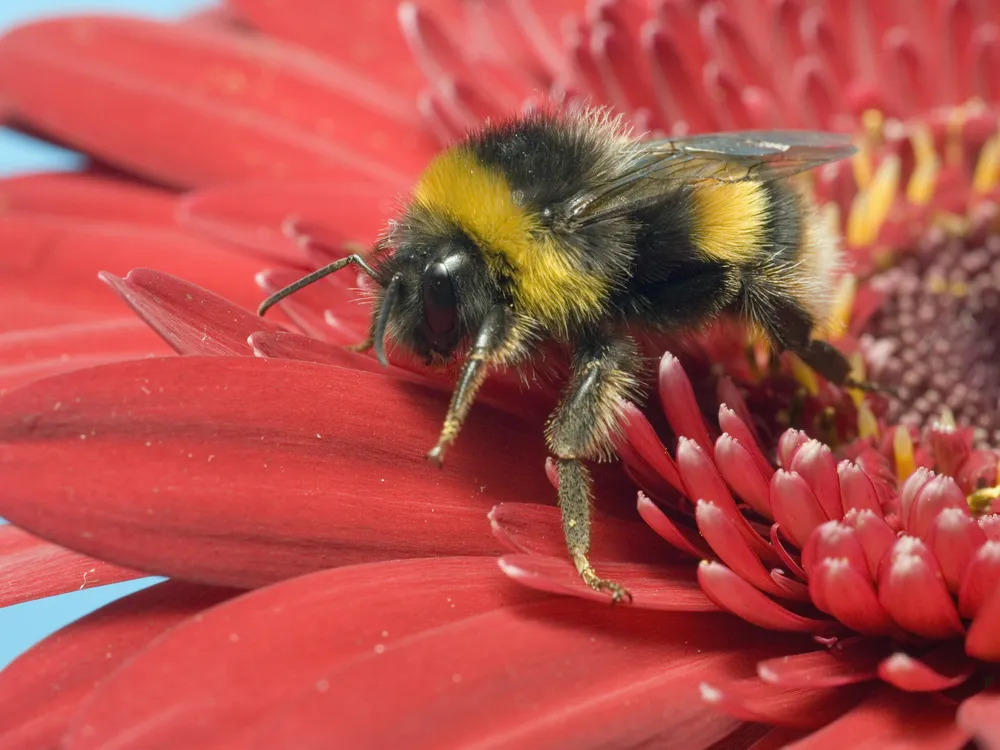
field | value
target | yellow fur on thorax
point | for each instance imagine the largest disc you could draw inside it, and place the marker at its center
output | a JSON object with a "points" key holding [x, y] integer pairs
{"points": [[728, 219], [546, 285]]}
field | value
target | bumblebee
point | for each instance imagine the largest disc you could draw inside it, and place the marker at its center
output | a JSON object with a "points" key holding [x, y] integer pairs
{"points": [[559, 227]]}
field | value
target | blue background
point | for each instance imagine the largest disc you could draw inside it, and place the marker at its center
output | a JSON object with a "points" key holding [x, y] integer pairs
{"points": [[25, 624]]}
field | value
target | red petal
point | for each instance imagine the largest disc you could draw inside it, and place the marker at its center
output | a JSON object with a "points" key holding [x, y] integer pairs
{"points": [[124, 334], [950, 447], [978, 470], [980, 579], [728, 543], [189, 105], [741, 472], [874, 534], [943, 668], [537, 676], [679, 404], [479, 89], [191, 319], [990, 524], [978, 716], [682, 538], [537, 529], [264, 647], [308, 307], [661, 587], [702, 482], [41, 689], [791, 707], [641, 473], [795, 506], [786, 557], [839, 589], [834, 541], [790, 588], [735, 595], [285, 345], [815, 464], [912, 590], [242, 471], [891, 719], [365, 37], [40, 352], [939, 493], [788, 445], [54, 264], [857, 491], [724, 93], [955, 538], [778, 738], [983, 641], [910, 490], [31, 568], [642, 438], [740, 426], [87, 196], [253, 214], [844, 663]]}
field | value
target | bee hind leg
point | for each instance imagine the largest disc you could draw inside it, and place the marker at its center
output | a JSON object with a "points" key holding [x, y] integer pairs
{"points": [[581, 428]]}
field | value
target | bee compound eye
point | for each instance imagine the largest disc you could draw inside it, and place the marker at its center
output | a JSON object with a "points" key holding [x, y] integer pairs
{"points": [[439, 299]]}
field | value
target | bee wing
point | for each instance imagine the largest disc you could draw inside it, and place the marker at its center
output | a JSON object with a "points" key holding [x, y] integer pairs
{"points": [[758, 156]]}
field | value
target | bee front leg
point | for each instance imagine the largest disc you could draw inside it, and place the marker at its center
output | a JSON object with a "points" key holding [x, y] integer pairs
{"points": [[503, 339], [581, 429]]}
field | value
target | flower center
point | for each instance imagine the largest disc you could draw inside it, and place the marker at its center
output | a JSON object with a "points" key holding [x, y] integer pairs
{"points": [[936, 337]]}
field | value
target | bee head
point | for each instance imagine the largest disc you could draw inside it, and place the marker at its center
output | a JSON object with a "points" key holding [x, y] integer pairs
{"points": [[435, 295]]}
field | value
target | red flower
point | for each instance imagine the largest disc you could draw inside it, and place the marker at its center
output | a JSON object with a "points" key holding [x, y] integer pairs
{"points": [[270, 458]]}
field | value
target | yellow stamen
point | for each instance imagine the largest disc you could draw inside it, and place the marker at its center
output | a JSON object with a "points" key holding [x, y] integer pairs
{"points": [[987, 174], [923, 181], [843, 302], [902, 448], [861, 163], [937, 284], [871, 206], [873, 121], [947, 419], [858, 375], [867, 424], [953, 151], [805, 376], [981, 500]]}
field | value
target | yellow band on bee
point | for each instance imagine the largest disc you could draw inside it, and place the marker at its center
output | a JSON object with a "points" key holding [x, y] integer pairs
{"points": [[728, 219], [546, 284]]}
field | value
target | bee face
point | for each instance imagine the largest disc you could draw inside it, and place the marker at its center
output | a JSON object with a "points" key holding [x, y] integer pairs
{"points": [[443, 294]]}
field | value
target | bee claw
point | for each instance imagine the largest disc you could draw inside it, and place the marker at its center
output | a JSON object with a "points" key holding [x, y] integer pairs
{"points": [[435, 456], [619, 594]]}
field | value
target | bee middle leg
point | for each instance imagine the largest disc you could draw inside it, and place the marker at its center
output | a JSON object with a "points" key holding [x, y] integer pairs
{"points": [[581, 429], [791, 328]]}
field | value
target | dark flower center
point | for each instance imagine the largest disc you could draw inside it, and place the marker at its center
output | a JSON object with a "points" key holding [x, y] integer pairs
{"points": [[936, 337]]}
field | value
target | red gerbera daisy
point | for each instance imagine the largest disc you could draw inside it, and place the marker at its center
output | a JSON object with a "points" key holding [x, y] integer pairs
{"points": [[859, 557]]}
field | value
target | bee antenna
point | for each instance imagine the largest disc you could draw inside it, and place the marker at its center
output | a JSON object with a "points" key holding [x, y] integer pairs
{"points": [[320, 273], [388, 301]]}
